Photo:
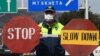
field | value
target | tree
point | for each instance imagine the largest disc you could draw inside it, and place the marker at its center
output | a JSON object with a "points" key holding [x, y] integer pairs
{"points": [[67, 16]]}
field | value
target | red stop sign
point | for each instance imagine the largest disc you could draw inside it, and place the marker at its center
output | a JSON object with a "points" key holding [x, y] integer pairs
{"points": [[21, 34], [79, 50]]}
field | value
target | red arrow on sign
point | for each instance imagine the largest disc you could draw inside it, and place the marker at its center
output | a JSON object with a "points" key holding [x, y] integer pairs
{"points": [[21, 34]]}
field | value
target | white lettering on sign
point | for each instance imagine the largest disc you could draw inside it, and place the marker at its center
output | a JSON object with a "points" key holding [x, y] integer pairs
{"points": [[69, 2], [25, 33], [96, 51], [8, 1], [47, 3]]}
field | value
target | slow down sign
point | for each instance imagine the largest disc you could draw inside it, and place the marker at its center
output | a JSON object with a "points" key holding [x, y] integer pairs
{"points": [[79, 37]]}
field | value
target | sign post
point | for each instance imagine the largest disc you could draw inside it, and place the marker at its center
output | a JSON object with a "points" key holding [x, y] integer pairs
{"points": [[80, 37], [21, 34], [8, 6], [59, 5], [86, 9]]}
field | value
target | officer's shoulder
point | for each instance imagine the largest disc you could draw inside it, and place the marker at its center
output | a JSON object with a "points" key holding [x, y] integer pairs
{"points": [[60, 24], [40, 24]]}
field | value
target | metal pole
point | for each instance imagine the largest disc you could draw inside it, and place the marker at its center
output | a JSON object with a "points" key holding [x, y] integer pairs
{"points": [[86, 9], [22, 4]]}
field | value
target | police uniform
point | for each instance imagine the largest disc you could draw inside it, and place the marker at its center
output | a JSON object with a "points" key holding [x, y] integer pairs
{"points": [[50, 41]]}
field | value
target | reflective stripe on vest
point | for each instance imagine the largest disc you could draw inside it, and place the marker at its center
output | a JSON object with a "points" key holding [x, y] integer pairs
{"points": [[49, 35], [56, 29]]}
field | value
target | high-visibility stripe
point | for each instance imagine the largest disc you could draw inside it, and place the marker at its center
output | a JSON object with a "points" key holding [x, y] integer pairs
{"points": [[49, 35], [56, 29]]}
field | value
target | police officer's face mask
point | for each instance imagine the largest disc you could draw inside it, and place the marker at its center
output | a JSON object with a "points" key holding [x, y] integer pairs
{"points": [[49, 17]]}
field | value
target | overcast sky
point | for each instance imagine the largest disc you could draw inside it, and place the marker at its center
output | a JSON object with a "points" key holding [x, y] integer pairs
{"points": [[95, 5]]}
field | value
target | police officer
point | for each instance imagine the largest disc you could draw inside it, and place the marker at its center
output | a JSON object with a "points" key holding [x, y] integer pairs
{"points": [[50, 30]]}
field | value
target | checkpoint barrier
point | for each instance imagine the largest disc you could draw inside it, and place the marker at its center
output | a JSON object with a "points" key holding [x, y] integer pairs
{"points": [[80, 37]]}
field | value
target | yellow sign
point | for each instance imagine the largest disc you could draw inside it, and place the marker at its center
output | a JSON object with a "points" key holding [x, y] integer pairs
{"points": [[80, 37]]}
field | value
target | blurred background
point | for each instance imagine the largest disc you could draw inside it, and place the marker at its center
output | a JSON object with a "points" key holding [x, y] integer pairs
{"points": [[62, 16]]}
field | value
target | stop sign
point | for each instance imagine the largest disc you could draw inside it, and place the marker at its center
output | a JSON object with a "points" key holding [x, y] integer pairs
{"points": [[21, 34], [77, 49]]}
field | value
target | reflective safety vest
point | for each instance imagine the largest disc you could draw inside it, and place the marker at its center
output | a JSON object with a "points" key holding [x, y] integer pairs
{"points": [[56, 29]]}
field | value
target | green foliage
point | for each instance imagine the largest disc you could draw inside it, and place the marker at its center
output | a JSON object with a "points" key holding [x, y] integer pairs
{"points": [[67, 16]]}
